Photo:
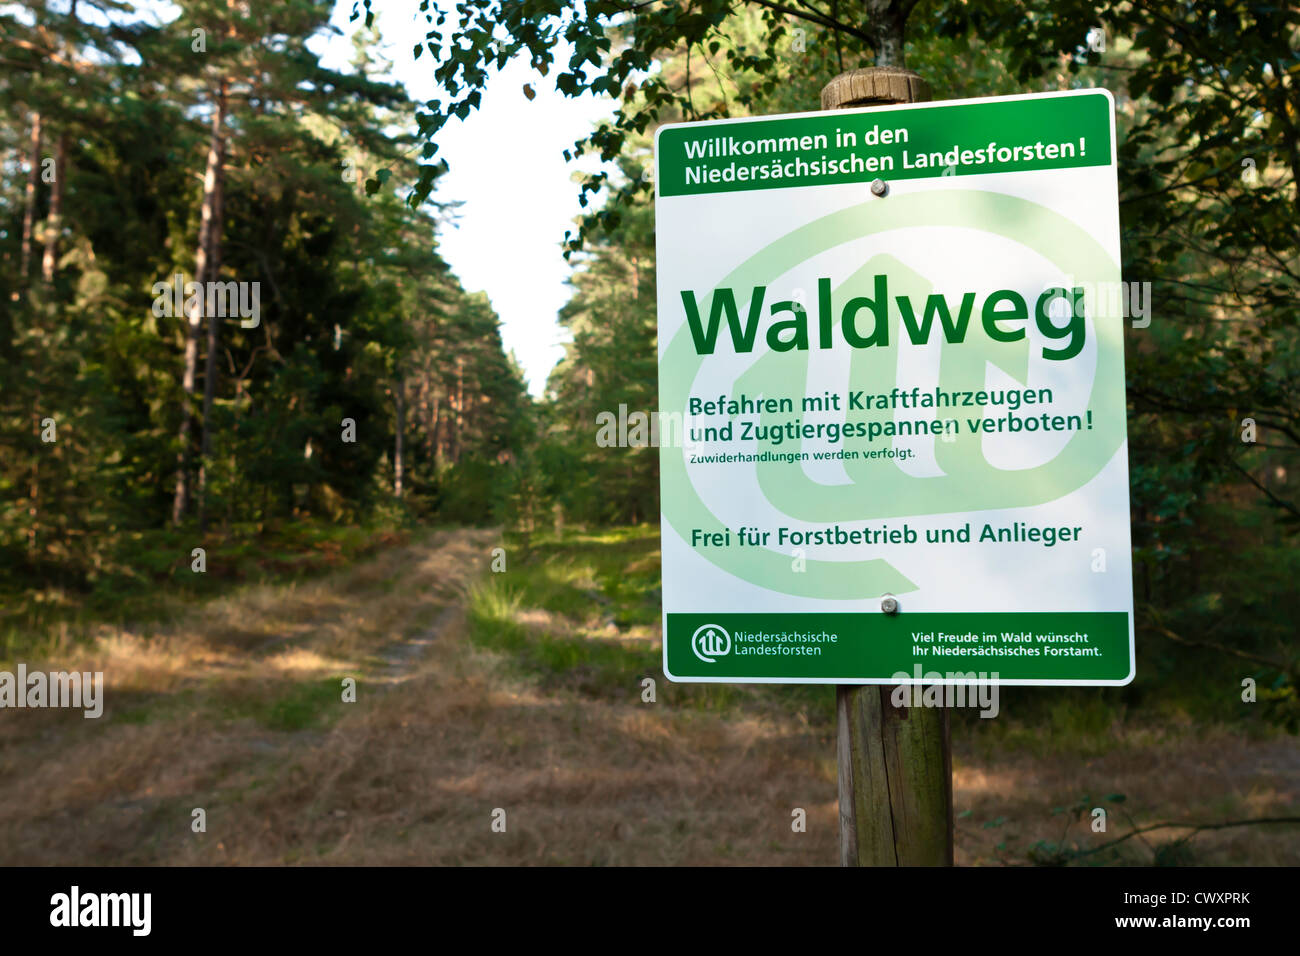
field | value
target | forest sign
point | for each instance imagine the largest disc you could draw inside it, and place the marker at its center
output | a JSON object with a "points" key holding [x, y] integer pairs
{"points": [[891, 379]]}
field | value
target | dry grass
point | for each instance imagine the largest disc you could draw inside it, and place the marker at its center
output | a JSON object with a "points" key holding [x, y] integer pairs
{"points": [[411, 773], [1203, 778]]}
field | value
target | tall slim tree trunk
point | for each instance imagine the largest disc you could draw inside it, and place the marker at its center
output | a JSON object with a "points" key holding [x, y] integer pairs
{"points": [[399, 460], [214, 321], [459, 419], [29, 221], [426, 404], [886, 21], [435, 430], [208, 241], [29, 199], [34, 482], [54, 224]]}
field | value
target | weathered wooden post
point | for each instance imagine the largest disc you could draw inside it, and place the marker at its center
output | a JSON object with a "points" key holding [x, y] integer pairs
{"points": [[895, 763]]}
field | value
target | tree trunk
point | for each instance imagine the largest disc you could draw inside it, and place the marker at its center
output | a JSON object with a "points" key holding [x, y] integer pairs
{"points": [[54, 224], [214, 321], [885, 22], [426, 405], [435, 429], [459, 409], [399, 461], [29, 220], [209, 244], [34, 483], [29, 200]]}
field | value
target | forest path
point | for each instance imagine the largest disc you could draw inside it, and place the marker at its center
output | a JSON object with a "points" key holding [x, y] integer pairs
{"points": [[228, 698], [237, 709]]}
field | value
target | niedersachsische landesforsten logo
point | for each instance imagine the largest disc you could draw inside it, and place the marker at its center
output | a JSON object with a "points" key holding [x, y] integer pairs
{"points": [[710, 641]]}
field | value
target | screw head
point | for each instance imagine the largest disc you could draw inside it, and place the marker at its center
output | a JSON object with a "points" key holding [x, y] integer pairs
{"points": [[889, 604], [879, 187]]}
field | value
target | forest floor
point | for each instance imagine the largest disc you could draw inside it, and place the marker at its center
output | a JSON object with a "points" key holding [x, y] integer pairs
{"points": [[520, 697]]}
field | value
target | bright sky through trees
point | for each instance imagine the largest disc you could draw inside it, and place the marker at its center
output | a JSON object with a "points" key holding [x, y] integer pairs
{"points": [[508, 169]]}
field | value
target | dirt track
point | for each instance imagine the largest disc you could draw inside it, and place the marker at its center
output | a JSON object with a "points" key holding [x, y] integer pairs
{"points": [[237, 709]]}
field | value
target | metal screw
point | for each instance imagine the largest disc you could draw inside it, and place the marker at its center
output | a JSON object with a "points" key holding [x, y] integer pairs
{"points": [[889, 604], [879, 187]]}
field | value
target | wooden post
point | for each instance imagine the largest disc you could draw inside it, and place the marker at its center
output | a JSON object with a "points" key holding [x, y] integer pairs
{"points": [[895, 763]]}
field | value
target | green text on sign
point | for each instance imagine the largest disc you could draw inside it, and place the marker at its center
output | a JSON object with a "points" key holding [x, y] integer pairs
{"points": [[1078, 647]]}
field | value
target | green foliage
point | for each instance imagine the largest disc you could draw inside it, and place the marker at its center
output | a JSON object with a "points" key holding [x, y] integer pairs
{"points": [[360, 317]]}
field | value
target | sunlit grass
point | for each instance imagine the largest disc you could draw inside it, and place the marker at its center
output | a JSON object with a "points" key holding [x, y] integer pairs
{"points": [[137, 578], [532, 698]]}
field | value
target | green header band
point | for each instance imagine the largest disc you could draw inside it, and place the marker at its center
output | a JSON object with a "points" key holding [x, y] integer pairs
{"points": [[964, 138]]}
